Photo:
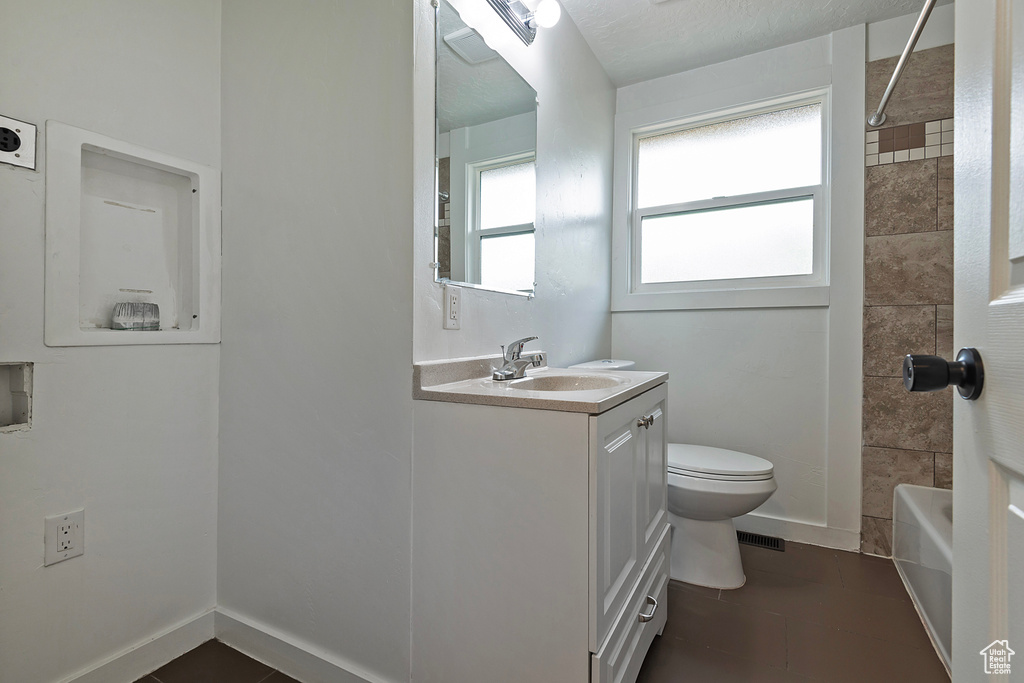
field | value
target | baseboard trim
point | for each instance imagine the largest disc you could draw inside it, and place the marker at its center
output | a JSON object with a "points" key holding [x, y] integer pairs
{"points": [[149, 655], [800, 532], [290, 655], [286, 653]]}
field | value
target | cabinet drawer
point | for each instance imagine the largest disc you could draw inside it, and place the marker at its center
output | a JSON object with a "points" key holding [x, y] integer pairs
{"points": [[623, 653]]}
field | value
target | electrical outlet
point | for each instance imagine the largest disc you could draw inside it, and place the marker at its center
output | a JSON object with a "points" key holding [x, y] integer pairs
{"points": [[17, 142], [63, 537], [452, 307]]}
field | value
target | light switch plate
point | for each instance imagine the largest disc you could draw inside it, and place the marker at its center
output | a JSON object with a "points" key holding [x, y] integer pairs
{"points": [[17, 143], [64, 537]]}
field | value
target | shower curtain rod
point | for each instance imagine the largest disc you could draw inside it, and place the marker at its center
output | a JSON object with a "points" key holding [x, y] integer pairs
{"points": [[878, 118]]}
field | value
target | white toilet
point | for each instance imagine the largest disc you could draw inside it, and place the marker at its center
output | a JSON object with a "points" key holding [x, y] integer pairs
{"points": [[707, 488]]}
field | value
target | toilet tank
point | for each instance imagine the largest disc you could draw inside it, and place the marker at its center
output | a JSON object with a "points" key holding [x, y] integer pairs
{"points": [[605, 364]]}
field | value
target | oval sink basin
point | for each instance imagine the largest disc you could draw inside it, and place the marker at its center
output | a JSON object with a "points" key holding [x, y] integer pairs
{"points": [[566, 383]]}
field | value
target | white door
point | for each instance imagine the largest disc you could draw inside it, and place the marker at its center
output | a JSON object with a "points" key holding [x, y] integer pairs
{"points": [[988, 443]]}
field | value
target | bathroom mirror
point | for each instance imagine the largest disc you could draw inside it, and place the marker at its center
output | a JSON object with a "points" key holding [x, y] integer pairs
{"points": [[486, 150]]}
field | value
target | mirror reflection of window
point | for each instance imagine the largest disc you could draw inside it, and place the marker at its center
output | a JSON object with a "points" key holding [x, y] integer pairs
{"points": [[486, 152], [507, 201]]}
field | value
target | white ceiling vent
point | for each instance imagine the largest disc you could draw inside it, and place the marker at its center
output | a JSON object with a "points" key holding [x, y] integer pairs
{"points": [[468, 44]]}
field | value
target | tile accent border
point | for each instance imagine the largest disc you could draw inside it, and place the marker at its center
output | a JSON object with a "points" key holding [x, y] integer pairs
{"points": [[911, 142]]}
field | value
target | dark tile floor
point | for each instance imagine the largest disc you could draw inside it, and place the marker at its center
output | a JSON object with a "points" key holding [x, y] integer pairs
{"points": [[215, 662], [806, 614]]}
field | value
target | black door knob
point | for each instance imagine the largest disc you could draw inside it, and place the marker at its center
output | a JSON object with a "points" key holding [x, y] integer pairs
{"points": [[932, 373]]}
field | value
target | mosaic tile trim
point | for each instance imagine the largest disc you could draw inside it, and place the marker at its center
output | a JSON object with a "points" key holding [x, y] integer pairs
{"points": [[912, 142]]}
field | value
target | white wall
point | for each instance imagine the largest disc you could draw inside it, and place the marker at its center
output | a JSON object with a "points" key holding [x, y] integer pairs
{"points": [[781, 383], [574, 164], [316, 395], [129, 433], [889, 38], [752, 380]]}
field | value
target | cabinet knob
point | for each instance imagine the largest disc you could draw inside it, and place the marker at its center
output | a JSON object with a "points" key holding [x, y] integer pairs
{"points": [[649, 615], [646, 421]]}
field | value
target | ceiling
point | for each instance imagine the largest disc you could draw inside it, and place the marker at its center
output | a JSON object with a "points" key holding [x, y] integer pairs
{"points": [[637, 40]]}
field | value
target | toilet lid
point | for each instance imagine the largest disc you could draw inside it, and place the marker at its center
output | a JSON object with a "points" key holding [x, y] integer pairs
{"points": [[716, 463]]}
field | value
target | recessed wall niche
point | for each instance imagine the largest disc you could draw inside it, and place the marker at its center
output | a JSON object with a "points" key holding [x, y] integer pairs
{"points": [[15, 396], [126, 224]]}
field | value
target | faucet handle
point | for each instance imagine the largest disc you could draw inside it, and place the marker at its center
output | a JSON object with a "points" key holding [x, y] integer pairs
{"points": [[515, 348]]}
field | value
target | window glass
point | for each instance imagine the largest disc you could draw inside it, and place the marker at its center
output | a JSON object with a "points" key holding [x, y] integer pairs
{"points": [[508, 196], [758, 153], [754, 240], [506, 261]]}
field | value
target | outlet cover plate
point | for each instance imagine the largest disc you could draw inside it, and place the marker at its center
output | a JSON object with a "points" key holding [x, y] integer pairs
{"points": [[64, 537], [25, 155], [452, 307]]}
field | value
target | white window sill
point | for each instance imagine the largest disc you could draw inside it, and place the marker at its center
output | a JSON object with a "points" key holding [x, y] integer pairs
{"points": [[777, 297]]}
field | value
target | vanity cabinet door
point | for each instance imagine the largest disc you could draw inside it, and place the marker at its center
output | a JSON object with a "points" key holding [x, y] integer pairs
{"points": [[624, 451], [653, 479]]}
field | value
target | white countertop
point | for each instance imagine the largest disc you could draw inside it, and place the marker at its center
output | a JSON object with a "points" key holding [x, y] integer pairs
{"points": [[468, 380]]}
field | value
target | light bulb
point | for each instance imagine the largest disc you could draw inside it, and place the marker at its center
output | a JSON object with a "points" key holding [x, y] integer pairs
{"points": [[547, 14]]}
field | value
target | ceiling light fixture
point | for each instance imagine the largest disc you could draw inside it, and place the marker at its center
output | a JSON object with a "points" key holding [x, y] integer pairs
{"points": [[524, 22]]}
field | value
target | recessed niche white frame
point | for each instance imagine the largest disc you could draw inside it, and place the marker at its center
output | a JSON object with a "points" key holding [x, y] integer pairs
{"points": [[127, 223]]}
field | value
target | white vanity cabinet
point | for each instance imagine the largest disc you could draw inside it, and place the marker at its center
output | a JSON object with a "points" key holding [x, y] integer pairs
{"points": [[630, 547], [540, 541]]}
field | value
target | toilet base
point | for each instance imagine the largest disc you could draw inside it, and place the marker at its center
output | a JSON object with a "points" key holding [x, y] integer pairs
{"points": [[706, 553]]}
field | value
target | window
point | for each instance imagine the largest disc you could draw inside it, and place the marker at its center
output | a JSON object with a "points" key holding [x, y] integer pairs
{"points": [[503, 230], [731, 202], [762, 239]]}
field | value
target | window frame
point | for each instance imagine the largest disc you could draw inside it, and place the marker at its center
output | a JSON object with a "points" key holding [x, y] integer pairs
{"points": [[475, 233], [754, 292]]}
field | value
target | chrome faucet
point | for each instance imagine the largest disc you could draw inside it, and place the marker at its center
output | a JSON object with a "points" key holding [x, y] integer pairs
{"points": [[516, 363]]}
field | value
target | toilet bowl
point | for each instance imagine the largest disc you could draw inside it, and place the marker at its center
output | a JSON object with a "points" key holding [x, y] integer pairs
{"points": [[707, 488]]}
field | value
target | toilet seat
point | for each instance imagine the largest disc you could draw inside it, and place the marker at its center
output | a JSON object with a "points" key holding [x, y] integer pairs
{"points": [[707, 462]]}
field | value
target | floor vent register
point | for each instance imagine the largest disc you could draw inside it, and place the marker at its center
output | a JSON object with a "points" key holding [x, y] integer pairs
{"points": [[770, 542]]}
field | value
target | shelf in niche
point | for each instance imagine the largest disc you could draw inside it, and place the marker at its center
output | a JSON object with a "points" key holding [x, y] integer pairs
{"points": [[128, 224]]}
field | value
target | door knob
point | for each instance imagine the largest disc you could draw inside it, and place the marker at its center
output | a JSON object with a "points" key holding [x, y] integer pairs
{"points": [[933, 373]]}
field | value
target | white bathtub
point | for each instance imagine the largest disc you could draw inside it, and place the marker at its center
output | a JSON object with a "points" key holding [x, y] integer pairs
{"points": [[922, 547]]}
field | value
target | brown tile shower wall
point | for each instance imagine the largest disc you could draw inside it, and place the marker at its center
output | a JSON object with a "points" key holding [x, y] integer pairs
{"points": [[908, 286]]}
